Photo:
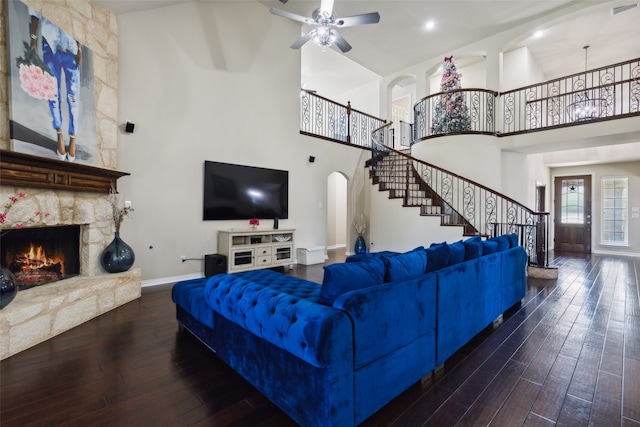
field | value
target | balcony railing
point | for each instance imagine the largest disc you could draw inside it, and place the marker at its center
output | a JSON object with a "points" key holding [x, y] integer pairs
{"points": [[606, 93], [323, 118], [475, 110]]}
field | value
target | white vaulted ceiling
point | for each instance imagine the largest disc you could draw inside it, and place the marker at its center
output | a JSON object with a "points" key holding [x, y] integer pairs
{"points": [[400, 39]]}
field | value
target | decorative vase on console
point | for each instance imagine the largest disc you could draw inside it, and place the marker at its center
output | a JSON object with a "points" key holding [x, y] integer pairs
{"points": [[118, 256], [254, 223], [361, 227]]}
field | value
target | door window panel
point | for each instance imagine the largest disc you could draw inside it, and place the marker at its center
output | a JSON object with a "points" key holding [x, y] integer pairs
{"points": [[572, 204]]}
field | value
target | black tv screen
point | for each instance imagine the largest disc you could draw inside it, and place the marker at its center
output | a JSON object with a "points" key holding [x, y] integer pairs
{"points": [[244, 192]]}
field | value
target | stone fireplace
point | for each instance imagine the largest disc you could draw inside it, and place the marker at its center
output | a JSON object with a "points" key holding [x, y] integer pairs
{"points": [[85, 291], [70, 193]]}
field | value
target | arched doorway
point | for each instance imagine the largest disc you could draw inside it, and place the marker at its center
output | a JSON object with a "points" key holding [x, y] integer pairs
{"points": [[336, 211]]}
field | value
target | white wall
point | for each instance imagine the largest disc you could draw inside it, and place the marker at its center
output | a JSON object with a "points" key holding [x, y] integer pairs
{"points": [[515, 176], [475, 157], [397, 228], [520, 69], [521, 173], [335, 76], [363, 98], [200, 87]]}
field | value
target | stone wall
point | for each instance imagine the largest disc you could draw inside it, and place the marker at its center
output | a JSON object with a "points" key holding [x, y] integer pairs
{"points": [[97, 29], [40, 313]]}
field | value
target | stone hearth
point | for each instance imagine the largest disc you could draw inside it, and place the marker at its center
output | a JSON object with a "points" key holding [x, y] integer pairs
{"points": [[37, 314]]}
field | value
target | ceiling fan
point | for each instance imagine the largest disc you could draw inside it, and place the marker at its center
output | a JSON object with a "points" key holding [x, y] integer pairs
{"points": [[324, 20]]}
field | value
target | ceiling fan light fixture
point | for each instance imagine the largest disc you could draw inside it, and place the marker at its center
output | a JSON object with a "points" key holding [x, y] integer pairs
{"points": [[324, 21], [324, 37]]}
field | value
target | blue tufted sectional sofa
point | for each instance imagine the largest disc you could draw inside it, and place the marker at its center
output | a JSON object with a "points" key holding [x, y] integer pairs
{"points": [[335, 354]]}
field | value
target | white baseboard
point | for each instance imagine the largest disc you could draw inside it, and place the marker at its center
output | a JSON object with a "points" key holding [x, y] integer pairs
{"points": [[338, 246], [171, 279], [620, 253]]}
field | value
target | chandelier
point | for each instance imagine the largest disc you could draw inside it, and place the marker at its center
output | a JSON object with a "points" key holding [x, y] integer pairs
{"points": [[585, 105]]}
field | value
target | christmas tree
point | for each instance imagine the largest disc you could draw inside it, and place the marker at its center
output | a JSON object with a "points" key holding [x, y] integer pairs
{"points": [[450, 113]]}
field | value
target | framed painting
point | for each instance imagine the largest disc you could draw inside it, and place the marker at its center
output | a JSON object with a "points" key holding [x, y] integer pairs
{"points": [[51, 97]]}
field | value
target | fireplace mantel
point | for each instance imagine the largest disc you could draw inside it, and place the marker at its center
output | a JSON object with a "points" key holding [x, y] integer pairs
{"points": [[33, 171]]}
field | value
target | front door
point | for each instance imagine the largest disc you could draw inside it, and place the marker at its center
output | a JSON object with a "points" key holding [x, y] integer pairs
{"points": [[572, 208]]}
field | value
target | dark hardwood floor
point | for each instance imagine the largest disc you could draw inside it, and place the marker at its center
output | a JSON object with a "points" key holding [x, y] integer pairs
{"points": [[570, 355]]}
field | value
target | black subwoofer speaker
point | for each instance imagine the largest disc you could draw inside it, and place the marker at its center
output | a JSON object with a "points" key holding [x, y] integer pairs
{"points": [[214, 264]]}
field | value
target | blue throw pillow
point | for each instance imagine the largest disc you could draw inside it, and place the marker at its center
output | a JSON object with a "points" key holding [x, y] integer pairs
{"points": [[437, 257], [369, 255], [344, 277], [457, 253], [407, 265], [513, 240], [502, 241], [472, 248], [489, 247]]}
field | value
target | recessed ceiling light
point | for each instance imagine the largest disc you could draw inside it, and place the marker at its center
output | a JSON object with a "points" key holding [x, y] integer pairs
{"points": [[430, 25], [538, 34]]}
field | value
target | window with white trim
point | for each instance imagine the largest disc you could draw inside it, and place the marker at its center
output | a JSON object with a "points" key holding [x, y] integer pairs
{"points": [[615, 215]]}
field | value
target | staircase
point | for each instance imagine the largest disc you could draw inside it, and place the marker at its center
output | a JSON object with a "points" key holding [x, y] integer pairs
{"points": [[394, 172], [458, 201]]}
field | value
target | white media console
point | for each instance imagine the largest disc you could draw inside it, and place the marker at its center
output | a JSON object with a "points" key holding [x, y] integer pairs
{"points": [[253, 249]]}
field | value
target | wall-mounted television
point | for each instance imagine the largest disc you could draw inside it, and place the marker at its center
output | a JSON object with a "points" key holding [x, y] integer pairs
{"points": [[243, 192]]}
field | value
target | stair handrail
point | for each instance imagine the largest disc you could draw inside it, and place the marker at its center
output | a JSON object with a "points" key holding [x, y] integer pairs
{"points": [[499, 213]]}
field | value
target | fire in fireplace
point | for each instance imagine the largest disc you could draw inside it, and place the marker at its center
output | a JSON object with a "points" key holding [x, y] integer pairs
{"points": [[38, 256]]}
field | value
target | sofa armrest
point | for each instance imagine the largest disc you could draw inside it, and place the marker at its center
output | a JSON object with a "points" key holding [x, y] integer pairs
{"points": [[317, 334], [513, 283], [389, 316]]}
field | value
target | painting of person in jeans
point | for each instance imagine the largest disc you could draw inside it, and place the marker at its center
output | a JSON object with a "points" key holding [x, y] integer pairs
{"points": [[63, 55]]}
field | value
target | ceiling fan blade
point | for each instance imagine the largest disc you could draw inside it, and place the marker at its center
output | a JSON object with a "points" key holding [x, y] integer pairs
{"points": [[352, 21], [302, 40], [291, 16], [342, 44], [326, 6]]}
